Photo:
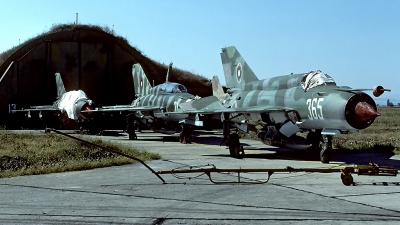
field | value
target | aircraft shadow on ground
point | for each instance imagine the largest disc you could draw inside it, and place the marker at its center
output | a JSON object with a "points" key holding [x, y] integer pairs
{"points": [[341, 156], [112, 133], [172, 138], [211, 140], [197, 137], [338, 156], [106, 133]]}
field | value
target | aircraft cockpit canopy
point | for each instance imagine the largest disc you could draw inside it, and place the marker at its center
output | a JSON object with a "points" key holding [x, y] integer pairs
{"points": [[316, 78], [174, 88]]}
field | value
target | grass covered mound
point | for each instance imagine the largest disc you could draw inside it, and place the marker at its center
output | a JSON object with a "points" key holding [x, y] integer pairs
{"points": [[155, 71], [28, 154]]}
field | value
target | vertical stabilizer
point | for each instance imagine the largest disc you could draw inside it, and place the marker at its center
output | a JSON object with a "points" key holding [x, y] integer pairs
{"points": [[237, 71], [168, 71], [60, 86], [140, 81], [217, 89]]}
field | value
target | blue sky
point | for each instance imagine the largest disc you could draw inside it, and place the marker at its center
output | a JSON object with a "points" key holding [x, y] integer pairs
{"points": [[356, 42]]}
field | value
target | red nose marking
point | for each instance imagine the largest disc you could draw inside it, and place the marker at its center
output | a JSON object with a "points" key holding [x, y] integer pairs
{"points": [[365, 111]]}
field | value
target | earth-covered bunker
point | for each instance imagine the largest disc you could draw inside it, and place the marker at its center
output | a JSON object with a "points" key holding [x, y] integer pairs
{"points": [[90, 58]]}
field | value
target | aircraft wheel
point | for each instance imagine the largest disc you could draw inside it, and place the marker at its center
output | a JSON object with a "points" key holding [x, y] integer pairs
{"points": [[181, 137], [184, 138], [325, 154], [188, 141], [233, 143], [132, 136], [347, 179]]}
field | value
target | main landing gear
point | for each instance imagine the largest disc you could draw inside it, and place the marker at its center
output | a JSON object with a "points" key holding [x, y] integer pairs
{"points": [[235, 150], [232, 141], [326, 151], [131, 126], [185, 135], [319, 145]]}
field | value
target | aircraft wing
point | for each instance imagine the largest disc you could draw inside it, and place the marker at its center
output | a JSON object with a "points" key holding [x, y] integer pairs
{"points": [[358, 89], [212, 104], [116, 106], [124, 108], [376, 91], [353, 89], [37, 108]]}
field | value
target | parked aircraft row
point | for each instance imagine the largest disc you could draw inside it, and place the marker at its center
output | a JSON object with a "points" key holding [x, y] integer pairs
{"points": [[277, 108], [68, 105]]}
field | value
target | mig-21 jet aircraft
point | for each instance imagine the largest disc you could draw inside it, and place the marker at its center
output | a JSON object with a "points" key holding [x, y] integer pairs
{"points": [[68, 106], [279, 107], [157, 107]]}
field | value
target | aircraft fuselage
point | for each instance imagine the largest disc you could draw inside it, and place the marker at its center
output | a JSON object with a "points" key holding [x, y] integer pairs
{"points": [[319, 107], [167, 102]]}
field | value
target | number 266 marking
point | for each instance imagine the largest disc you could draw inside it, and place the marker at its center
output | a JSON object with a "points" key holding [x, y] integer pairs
{"points": [[315, 108]]}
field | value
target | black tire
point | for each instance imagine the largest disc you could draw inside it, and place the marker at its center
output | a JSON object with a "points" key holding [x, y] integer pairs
{"points": [[231, 151], [233, 142], [181, 138], [325, 155], [347, 179], [132, 136]]}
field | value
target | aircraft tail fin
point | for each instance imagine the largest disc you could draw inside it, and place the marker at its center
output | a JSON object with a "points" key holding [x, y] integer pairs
{"points": [[141, 83], [60, 86], [237, 71], [217, 89]]}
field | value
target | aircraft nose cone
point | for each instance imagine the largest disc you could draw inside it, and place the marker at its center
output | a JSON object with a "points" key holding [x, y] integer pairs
{"points": [[365, 111]]}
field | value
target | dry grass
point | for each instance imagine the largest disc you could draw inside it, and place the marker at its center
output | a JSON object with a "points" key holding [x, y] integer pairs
{"points": [[382, 136], [28, 154]]}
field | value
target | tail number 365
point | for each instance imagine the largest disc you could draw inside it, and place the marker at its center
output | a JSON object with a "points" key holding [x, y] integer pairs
{"points": [[315, 108]]}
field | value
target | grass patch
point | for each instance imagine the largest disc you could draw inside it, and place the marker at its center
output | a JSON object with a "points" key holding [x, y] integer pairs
{"points": [[28, 154], [382, 136]]}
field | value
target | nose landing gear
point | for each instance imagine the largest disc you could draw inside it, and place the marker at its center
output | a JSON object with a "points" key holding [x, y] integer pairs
{"points": [[185, 135], [324, 148]]}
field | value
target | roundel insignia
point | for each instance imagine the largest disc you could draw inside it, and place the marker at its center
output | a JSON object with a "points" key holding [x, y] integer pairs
{"points": [[239, 72]]}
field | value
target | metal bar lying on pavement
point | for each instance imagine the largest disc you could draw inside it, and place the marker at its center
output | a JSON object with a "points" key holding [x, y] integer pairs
{"points": [[372, 170]]}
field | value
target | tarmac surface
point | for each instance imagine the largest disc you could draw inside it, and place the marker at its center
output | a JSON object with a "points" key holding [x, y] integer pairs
{"points": [[131, 194]]}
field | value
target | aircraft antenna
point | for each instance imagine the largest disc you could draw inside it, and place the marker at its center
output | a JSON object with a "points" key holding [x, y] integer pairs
{"points": [[168, 71]]}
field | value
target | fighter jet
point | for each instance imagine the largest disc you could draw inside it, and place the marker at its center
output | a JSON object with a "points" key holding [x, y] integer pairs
{"points": [[276, 109], [157, 107], [69, 105]]}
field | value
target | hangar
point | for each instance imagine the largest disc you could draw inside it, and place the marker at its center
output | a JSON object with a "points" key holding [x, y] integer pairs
{"points": [[90, 58]]}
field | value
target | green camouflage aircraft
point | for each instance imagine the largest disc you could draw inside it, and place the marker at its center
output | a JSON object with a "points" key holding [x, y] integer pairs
{"points": [[279, 107], [157, 107]]}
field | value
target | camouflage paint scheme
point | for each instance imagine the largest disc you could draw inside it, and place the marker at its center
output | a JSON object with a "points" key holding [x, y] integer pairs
{"points": [[157, 106], [279, 107]]}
